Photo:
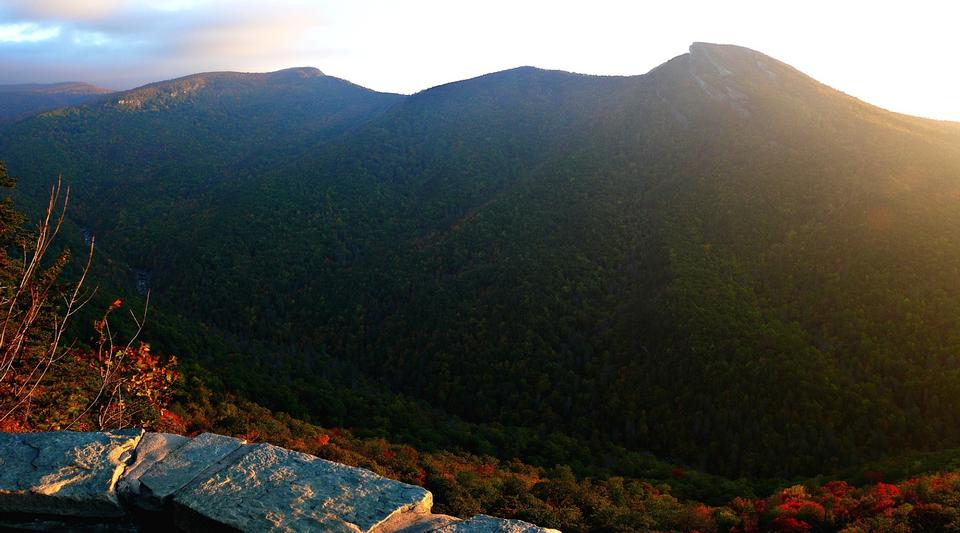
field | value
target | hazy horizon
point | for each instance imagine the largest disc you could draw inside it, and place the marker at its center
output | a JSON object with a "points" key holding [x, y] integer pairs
{"points": [[887, 55]]}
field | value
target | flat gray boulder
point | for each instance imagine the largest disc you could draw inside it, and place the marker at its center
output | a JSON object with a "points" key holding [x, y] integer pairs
{"points": [[68, 481], [205, 452], [275, 489], [488, 524], [153, 448], [415, 523], [64, 472]]}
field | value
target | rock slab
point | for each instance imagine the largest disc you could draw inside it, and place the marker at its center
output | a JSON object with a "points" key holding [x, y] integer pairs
{"points": [[153, 448], [275, 489], [130, 481], [488, 524], [196, 458], [64, 472], [425, 523]]}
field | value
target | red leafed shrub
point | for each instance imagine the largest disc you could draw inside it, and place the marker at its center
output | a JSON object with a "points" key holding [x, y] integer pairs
{"points": [[837, 489], [171, 422], [250, 436], [796, 510], [881, 499], [789, 508], [135, 386], [811, 512], [297, 444], [703, 513], [788, 524], [837, 497], [11, 425], [760, 505]]}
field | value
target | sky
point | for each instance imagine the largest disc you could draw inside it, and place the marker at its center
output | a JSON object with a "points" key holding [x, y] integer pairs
{"points": [[898, 55]]}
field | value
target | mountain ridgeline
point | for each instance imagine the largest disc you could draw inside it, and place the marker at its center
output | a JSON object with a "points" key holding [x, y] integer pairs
{"points": [[23, 100], [722, 261]]}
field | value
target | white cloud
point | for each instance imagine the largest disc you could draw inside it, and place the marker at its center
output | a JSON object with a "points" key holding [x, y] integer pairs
{"points": [[82, 10], [90, 38], [122, 42], [27, 32]]}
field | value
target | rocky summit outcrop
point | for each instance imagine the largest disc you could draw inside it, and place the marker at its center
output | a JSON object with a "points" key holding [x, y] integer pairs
{"points": [[135, 481]]}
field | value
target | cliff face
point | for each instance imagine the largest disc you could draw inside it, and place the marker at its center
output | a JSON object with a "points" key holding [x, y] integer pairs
{"points": [[133, 481]]}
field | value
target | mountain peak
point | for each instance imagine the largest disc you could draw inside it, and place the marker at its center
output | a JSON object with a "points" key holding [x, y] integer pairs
{"points": [[725, 59], [166, 93], [229, 76], [704, 47], [298, 72]]}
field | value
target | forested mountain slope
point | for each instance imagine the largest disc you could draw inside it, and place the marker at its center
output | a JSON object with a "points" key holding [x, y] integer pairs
{"points": [[722, 261], [157, 146], [22, 100]]}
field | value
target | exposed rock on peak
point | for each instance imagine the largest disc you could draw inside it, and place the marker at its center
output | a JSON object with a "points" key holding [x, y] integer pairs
{"points": [[727, 60], [298, 72], [709, 54], [215, 84]]}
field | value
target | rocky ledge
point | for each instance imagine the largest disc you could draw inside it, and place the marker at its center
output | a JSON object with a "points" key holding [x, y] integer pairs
{"points": [[135, 481]]}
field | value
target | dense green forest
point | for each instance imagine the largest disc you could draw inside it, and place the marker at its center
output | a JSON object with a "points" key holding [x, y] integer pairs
{"points": [[722, 262], [19, 101]]}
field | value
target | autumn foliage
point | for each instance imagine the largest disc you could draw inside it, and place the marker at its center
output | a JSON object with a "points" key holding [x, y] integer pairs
{"points": [[465, 484], [47, 382]]}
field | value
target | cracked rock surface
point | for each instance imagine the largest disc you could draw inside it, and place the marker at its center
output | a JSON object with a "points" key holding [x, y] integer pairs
{"points": [[272, 488], [131, 481], [153, 448], [64, 473], [488, 524], [184, 464]]}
